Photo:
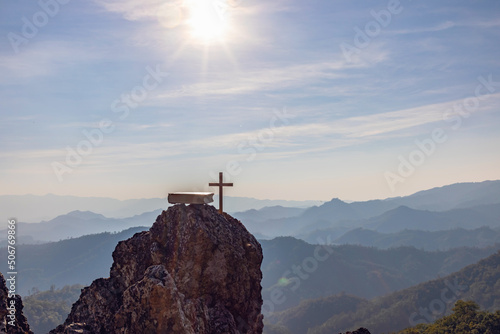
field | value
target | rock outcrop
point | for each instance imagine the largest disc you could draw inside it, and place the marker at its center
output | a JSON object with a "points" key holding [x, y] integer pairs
{"points": [[359, 331], [12, 319], [195, 271]]}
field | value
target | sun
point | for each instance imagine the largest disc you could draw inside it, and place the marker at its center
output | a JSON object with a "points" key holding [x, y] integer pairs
{"points": [[208, 20]]}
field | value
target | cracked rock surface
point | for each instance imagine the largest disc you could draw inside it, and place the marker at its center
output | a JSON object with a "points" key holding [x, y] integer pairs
{"points": [[12, 319], [195, 271]]}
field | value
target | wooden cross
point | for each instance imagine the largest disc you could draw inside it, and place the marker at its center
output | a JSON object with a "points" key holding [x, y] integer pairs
{"points": [[221, 184]]}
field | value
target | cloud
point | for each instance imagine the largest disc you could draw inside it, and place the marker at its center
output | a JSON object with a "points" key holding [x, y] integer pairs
{"points": [[266, 78], [345, 132], [134, 10], [153, 9], [449, 25], [442, 26], [282, 142], [40, 60]]}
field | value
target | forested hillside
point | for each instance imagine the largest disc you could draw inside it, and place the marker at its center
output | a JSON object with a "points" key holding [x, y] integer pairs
{"points": [[466, 319], [295, 270], [45, 310], [423, 303]]}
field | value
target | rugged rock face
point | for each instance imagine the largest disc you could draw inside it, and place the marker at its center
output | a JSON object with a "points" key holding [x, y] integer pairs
{"points": [[195, 271], [359, 331], [12, 319]]}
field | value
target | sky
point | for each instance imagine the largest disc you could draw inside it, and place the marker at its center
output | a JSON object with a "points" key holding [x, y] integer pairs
{"points": [[297, 100]]}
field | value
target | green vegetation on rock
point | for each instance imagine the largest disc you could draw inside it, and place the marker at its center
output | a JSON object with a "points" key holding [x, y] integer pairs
{"points": [[45, 310], [466, 319]]}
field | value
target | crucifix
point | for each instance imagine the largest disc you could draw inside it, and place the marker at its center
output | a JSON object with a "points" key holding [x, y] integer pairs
{"points": [[221, 184]]}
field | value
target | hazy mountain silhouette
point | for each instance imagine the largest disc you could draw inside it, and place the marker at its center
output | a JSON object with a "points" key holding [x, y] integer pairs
{"points": [[76, 224], [438, 240], [458, 195], [464, 206], [396, 311], [291, 270], [366, 272], [33, 208], [66, 262], [404, 217], [312, 312], [268, 212], [316, 221]]}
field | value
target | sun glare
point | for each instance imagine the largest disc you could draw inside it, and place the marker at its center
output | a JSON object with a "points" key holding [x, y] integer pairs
{"points": [[208, 20]]}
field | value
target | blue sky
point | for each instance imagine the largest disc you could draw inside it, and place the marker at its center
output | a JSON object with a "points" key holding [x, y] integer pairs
{"points": [[291, 99]]}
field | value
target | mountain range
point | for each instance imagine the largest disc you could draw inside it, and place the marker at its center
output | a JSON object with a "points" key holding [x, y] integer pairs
{"points": [[330, 220], [66, 262], [422, 303], [327, 267], [467, 205], [35, 208], [437, 240], [75, 224], [295, 270], [363, 271]]}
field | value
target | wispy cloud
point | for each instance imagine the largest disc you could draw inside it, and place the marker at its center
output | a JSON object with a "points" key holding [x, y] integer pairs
{"points": [[175, 9], [442, 26], [147, 9], [351, 130], [265, 79], [40, 60]]}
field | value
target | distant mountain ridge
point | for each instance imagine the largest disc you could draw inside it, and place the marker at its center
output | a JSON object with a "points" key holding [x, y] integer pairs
{"points": [[453, 196], [34, 208], [469, 205], [478, 282], [363, 271], [66, 262], [317, 221], [421, 303], [357, 270], [403, 217], [437, 240], [76, 224], [85, 215], [335, 217]]}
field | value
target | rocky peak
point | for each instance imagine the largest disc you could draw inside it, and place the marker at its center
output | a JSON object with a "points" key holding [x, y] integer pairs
{"points": [[195, 271], [12, 319]]}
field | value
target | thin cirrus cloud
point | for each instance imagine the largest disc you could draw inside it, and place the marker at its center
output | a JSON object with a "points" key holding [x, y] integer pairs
{"points": [[41, 60], [298, 138], [143, 10], [158, 9], [443, 26], [281, 78], [348, 131], [399, 84]]}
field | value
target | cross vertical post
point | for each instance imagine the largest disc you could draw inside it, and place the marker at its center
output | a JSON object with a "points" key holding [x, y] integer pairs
{"points": [[221, 186]]}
